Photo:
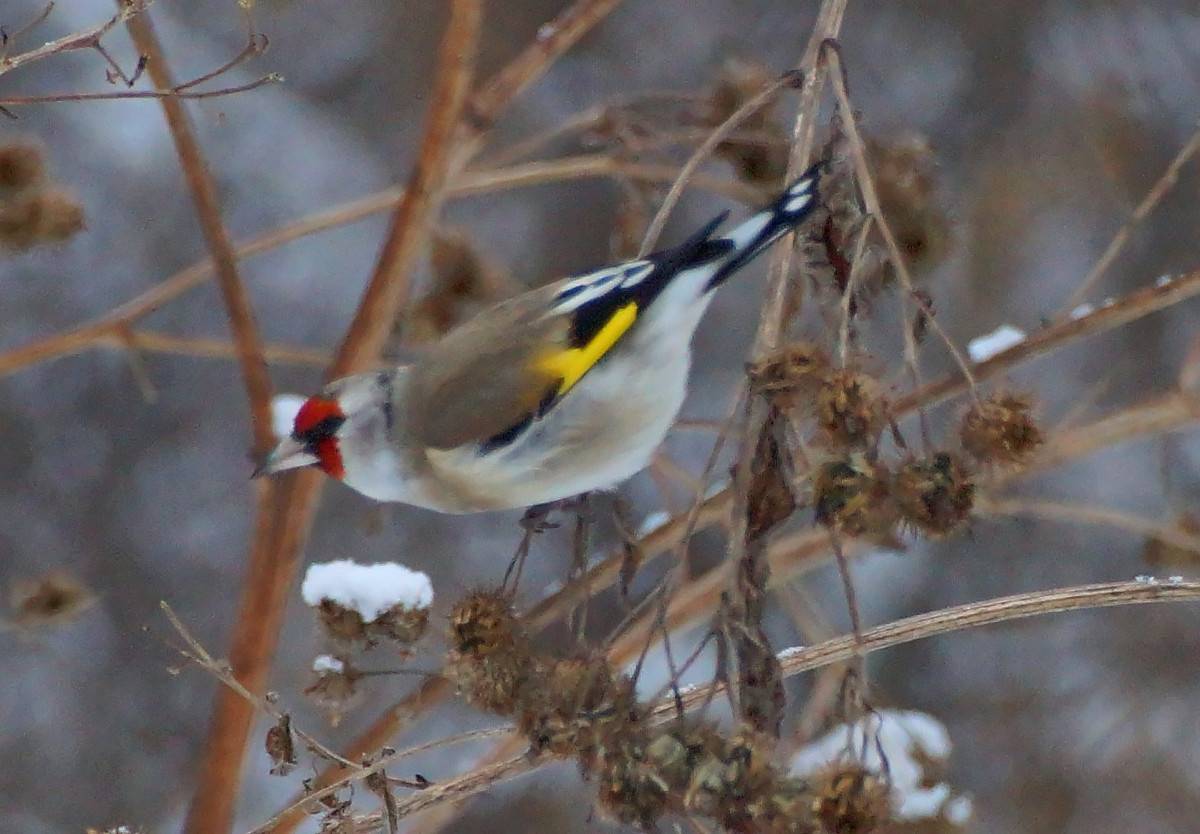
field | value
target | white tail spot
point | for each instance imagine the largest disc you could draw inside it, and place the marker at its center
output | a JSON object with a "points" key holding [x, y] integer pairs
{"points": [[796, 203], [802, 187]]}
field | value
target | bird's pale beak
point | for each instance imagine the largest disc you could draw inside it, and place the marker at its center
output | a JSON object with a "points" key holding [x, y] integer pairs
{"points": [[289, 454]]}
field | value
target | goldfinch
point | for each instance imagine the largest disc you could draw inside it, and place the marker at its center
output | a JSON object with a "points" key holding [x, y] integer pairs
{"points": [[561, 390]]}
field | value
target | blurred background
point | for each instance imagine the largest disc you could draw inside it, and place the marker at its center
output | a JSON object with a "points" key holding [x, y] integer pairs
{"points": [[1046, 123]]}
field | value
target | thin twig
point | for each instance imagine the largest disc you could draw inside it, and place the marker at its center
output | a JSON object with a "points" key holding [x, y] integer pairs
{"points": [[469, 183], [199, 655], [866, 184], [86, 39], [1153, 197], [164, 95], [715, 138], [1088, 514]]}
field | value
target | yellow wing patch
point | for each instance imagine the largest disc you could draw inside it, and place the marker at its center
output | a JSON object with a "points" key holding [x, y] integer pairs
{"points": [[570, 365]]}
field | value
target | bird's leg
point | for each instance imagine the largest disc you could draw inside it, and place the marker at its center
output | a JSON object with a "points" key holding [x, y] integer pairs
{"points": [[535, 520]]}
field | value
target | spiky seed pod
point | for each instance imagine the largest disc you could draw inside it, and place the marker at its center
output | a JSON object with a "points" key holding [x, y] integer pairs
{"points": [[490, 659], [630, 788], [574, 705], [850, 409], [346, 626], [787, 809], [21, 166], [39, 216], [904, 174], [483, 621], [935, 495], [1000, 429], [848, 799], [675, 753], [760, 160], [792, 375], [335, 687], [853, 496], [728, 784]]}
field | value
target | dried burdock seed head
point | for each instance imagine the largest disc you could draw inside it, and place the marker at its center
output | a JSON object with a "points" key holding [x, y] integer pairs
{"points": [[848, 799], [57, 597], [39, 216], [674, 753], [21, 166], [852, 495], [904, 173], [489, 659], [787, 809], [335, 686], [463, 283], [630, 789], [850, 409], [483, 621], [936, 494], [281, 747], [791, 375], [399, 624], [763, 158], [1000, 429], [495, 681], [359, 603], [574, 704]]}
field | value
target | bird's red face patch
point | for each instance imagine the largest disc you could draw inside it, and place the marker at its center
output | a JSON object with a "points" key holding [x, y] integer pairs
{"points": [[316, 426]]}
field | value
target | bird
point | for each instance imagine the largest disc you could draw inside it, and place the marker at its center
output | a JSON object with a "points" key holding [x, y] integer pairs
{"points": [[561, 390]]}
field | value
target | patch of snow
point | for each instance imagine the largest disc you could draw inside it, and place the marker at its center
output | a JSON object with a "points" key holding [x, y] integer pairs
{"points": [[1002, 338], [902, 736], [368, 589], [284, 408], [651, 523], [958, 811], [1175, 580], [1145, 579], [1082, 310], [323, 663], [1164, 280], [789, 652]]}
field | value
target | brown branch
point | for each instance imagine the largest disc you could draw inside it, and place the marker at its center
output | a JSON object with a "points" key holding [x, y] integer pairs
{"points": [[1124, 310], [204, 195], [165, 95], [759, 687], [272, 570], [389, 285], [1088, 514], [714, 138], [1153, 197], [469, 183], [87, 39], [150, 341], [962, 617], [553, 40]]}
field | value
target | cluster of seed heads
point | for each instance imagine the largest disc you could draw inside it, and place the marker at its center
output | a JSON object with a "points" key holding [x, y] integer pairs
{"points": [[336, 678], [33, 211], [580, 708], [853, 488]]}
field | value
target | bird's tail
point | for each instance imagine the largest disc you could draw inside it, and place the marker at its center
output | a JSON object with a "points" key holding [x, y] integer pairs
{"points": [[752, 237]]}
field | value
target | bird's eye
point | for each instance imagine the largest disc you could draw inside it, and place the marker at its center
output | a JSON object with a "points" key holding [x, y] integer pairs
{"points": [[318, 418]]}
